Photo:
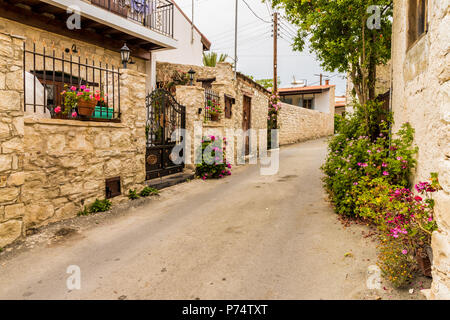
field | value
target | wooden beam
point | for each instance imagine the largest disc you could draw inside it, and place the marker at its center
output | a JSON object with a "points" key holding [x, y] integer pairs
{"points": [[43, 22]]}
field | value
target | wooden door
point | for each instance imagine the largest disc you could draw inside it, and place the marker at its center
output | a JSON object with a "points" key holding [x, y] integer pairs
{"points": [[246, 121]]}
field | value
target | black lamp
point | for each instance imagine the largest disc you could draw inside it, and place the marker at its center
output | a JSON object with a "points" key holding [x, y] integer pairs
{"points": [[125, 55], [191, 77]]}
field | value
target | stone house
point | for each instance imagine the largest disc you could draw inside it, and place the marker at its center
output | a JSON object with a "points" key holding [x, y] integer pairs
{"points": [[421, 96], [244, 102], [50, 168]]}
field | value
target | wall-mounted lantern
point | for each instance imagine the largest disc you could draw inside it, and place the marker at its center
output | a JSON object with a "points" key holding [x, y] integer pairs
{"points": [[125, 55], [191, 77]]}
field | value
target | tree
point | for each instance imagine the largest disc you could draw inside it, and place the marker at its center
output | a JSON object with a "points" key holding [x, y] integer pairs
{"points": [[210, 59], [342, 35], [268, 83]]}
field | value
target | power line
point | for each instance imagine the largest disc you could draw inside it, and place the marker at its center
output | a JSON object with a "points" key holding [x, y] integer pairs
{"points": [[255, 13], [229, 36]]}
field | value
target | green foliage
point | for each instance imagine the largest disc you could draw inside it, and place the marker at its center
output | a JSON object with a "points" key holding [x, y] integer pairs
{"points": [[100, 206], [337, 122], [132, 194], [211, 59], [268, 83], [97, 206], [367, 176], [147, 191], [337, 32], [355, 158], [214, 164]]}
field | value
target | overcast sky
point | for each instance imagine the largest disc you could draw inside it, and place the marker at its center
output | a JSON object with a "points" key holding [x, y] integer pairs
{"points": [[215, 19]]}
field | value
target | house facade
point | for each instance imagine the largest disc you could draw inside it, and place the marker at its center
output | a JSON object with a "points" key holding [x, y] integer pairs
{"points": [[320, 98], [191, 44], [340, 105], [54, 160], [421, 96]]}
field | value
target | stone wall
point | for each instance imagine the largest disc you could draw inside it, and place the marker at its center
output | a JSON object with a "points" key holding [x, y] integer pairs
{"points": [[301, 124], [11, 139], [421, 96], [67, 161], [51, 168]]}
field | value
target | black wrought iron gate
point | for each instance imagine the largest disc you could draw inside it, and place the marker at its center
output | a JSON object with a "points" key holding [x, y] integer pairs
{"points": [[164, 116]]}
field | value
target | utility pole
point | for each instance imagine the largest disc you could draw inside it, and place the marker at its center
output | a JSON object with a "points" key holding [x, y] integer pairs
{"points": [[275, 52], [235, 40], [321, 77]]}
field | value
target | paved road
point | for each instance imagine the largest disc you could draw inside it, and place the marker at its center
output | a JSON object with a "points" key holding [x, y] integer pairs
{"points": [[245, 237]]}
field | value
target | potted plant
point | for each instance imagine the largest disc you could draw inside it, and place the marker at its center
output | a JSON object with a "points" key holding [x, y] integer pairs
{"points": [[85, 101], [214, 110]]}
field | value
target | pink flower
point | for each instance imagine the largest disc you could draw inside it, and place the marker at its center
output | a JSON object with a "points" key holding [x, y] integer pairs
{"points": [[355, 184], [385, 173], [384, 164], [58, 109], [404, 251], [399, 158], [73, 88], [417, 198], [82, 87], [369, 151], [74, 114], [87, 90]]}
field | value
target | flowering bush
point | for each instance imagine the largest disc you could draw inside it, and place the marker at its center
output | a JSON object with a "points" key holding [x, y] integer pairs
{"points": [[367, 171], [213, 107], [214, 164], [353, 162], [274, 109]]}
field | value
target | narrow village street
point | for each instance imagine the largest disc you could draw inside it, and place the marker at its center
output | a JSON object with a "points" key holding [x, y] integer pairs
{"points": [[244, 237]]}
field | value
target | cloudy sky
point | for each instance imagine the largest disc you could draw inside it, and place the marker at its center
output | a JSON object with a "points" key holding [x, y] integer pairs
{"points": [[215, 18]]}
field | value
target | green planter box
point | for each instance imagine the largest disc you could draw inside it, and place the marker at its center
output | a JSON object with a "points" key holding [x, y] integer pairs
{"points": [[103, 113]]}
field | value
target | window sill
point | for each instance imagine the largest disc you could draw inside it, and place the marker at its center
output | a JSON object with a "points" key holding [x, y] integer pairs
{"points": [[419, 39], [74, 123]]}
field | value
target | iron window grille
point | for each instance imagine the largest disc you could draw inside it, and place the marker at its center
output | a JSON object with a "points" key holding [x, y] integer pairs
{"points": [[46, 75]]}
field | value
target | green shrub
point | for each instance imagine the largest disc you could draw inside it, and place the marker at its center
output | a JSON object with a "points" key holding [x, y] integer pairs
{"points": [[147, 191], [100, 206], [337, 122], [132, 194]]}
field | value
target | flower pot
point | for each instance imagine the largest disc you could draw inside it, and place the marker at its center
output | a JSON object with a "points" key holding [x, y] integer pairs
{"points": [[60, 115], [424, 261], [214, 117], [86, 107]]}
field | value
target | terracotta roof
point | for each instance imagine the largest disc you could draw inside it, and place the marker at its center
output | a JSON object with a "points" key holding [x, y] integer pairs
{"points": [[305, 89], [205, 41]]}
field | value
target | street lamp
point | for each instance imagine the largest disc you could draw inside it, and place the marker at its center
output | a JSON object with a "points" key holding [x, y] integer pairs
{"points": [[125, 55], [191, 77]]}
